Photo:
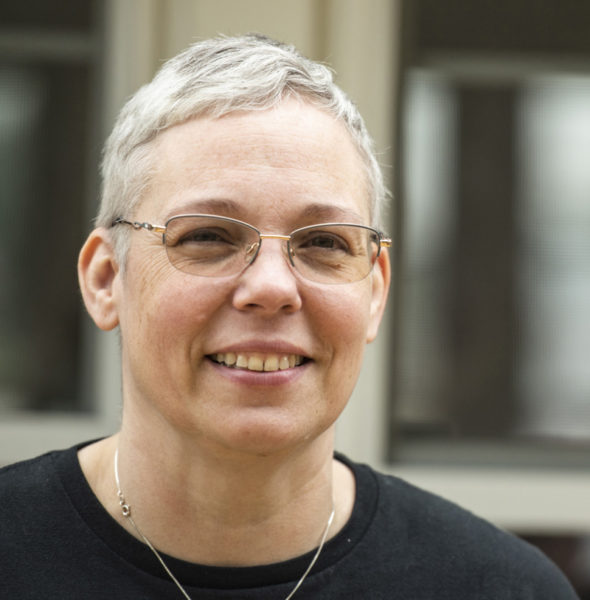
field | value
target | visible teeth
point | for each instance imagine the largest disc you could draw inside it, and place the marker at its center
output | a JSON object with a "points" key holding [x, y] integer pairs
{"points": [[255, 363], [271, 363], [259, 362]]}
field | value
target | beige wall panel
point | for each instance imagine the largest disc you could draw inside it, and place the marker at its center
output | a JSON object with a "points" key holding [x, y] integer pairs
{"points": [[131, 51], [186, 21], [362, 41]]}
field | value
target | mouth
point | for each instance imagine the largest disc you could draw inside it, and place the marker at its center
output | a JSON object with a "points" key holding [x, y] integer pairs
{"points": [[255, 361]]}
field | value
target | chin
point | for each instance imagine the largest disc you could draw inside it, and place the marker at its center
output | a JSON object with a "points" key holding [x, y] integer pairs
{"points": [[267, 437]]}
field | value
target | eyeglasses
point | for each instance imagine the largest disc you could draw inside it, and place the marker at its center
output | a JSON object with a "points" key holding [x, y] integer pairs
{"points": [[214, 246]]}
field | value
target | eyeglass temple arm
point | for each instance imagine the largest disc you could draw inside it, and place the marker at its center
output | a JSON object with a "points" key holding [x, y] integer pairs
{"points": [[138, 225], [385, 242]]}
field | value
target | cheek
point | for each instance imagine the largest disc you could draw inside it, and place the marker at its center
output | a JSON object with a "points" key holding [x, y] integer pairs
{"points": [[166, 325], [346, 306], [343, 319], [163, 307], [181, 309]]}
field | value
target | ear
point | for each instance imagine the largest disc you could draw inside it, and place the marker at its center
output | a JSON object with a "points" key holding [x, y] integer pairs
{"points": [[381, 278], [98, 271]]}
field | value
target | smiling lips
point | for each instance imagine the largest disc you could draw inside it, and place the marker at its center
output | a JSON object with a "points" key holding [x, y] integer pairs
{"points": [[258, 362]]}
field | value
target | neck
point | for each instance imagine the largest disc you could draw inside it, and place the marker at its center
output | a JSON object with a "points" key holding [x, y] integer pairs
{"points": [[223, 509]]}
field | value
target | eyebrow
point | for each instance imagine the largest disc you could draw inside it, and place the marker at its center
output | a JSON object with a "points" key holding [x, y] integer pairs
{"points": [[214, 206], [330, 212], [318, 212]]}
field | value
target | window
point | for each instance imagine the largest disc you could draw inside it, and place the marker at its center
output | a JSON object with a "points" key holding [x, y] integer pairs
{"points": [[492, 390], [494, 338], [50, 113]]}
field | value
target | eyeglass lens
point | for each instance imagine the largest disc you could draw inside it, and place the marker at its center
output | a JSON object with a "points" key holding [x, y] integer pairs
{"points": [[213, 246]]}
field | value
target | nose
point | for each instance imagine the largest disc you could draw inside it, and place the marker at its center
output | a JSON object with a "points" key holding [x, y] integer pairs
{"points": [[269, 284]]}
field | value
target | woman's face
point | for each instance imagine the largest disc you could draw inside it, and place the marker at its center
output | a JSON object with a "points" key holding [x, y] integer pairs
{"points": [[278, 170]]}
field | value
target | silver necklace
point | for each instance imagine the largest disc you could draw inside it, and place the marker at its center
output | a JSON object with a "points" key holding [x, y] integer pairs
{"points": [[126, 511]]}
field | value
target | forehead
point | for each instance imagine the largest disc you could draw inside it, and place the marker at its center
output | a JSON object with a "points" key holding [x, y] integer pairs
{"points": [[288, 159]]}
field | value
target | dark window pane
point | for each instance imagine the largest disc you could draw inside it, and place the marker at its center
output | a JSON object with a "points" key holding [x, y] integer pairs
{"points": [[494, 338], [46, 15], [43, 138]]}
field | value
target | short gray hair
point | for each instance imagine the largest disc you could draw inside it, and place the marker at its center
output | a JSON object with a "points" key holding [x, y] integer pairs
{"points": [[213, 78]]}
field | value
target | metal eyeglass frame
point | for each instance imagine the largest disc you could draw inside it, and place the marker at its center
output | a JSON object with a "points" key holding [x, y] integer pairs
{"points": [[384, 242]]}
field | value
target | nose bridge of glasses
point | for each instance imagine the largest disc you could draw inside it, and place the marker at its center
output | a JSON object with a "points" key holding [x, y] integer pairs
{"points": [[254, 249], [275, 236]]}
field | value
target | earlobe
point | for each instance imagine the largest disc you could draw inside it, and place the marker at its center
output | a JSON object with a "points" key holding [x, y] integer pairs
{"points": [[97, 274], [381, 278]]}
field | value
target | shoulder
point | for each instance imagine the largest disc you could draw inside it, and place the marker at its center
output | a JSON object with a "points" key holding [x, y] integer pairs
{"points": [[447, 542], [33, 489], [29, 474], [39, 474], [29, 495], [25, 486]]}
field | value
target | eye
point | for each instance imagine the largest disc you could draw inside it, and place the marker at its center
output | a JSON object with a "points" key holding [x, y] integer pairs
{"points": [[204, 235], [323, 240]]}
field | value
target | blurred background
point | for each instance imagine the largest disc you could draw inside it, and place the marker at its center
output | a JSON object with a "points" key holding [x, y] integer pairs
{"points": [[478, 387]]}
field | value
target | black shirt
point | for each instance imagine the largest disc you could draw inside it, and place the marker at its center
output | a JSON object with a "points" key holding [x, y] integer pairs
{"points": [[401, 543]]}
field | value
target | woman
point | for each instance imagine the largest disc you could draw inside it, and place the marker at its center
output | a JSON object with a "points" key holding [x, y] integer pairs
{"points": [[239, 253]]}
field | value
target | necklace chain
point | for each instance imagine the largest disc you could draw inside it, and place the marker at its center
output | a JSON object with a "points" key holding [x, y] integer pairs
{"points": [[126, 512]]}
